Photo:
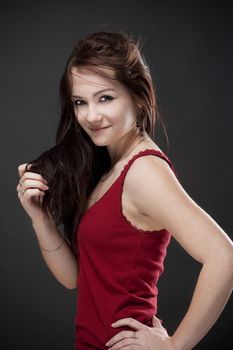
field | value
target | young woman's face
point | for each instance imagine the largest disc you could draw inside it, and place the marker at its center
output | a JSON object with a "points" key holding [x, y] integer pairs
{"points": [[103, 107]]}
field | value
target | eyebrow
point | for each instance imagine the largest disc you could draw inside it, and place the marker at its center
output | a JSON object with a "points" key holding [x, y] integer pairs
{"points": [[96, 93]]}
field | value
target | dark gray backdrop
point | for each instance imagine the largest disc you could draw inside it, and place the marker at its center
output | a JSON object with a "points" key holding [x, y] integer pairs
{"points": [[189, 48]]}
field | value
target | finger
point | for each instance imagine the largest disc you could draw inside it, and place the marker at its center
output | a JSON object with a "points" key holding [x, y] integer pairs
{"points": [[129, 322], [18, 187], [23, 185], [22, 168], [32, 176], [126, 343], [118, 337], [156, 322], [29, 193], [20, 190], [28, 183]]}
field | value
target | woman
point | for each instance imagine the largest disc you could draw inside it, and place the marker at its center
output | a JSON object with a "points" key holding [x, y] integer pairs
{"points": [[119, 199]]}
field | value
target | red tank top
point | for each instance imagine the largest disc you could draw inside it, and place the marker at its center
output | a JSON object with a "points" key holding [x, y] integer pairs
{"points": [[119, 267]]}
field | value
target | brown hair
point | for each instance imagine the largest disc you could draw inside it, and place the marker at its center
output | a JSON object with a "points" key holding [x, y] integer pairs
{"points": [[75, 164]]}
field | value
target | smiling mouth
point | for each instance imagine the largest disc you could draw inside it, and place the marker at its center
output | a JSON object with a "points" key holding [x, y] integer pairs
{"points": [[96, 129]]}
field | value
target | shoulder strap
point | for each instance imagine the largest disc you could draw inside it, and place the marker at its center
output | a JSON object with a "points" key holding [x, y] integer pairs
{"points": [[146, 152]]}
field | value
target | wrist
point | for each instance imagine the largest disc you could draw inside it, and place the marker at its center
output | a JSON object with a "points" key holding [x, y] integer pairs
{"points": [[172, 344], [45, 222]]}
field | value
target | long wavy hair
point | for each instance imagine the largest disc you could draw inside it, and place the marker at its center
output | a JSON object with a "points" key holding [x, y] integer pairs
{"points": [[75, 164]]}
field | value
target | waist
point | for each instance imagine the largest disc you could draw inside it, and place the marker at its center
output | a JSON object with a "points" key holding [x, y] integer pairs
{"points": [[94, 333], [93, 320]]}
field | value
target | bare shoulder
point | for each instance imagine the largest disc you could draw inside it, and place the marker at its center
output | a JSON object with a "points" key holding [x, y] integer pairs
{"points": [[148, 179], [155, 191], [149, 170], [143, 172]]}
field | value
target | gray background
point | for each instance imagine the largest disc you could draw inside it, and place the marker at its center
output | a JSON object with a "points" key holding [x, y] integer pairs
{"points": [[189, 49]]}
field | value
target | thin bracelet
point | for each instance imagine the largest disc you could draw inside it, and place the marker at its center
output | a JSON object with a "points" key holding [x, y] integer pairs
{"points": [[53, 250]]}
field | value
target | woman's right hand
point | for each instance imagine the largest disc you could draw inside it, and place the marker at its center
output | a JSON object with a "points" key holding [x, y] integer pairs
{"points": [[30, 190]]}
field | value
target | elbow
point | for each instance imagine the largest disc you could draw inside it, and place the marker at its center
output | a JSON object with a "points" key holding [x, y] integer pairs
{"points": [[227, 270], [71, 282], [222, 254], [228, 257], [230, 263], [69, 285], [225, 261]]}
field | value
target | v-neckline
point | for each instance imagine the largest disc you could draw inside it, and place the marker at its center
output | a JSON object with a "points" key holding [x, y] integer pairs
{"points": [[118, 177]]}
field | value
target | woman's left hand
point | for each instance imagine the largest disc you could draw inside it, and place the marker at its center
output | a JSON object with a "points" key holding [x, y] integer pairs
{"points": [[144, 337]]}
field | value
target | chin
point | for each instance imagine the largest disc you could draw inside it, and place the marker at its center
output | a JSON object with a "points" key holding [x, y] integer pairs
{"points": [[99, 142]]}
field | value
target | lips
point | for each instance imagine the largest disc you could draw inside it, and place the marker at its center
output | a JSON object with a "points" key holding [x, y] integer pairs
{"points": [[94, 129]]}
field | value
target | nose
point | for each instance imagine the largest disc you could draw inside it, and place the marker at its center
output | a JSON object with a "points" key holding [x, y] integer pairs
{"points": [[93, 116]]}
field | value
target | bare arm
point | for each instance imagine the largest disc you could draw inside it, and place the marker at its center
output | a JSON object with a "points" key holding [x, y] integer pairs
{"points": [[61, 262], [163, 199], [56, 252]]}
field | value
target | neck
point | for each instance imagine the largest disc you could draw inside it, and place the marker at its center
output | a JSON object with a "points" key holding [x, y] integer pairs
{"points": [[120, 151], [141, 139]]}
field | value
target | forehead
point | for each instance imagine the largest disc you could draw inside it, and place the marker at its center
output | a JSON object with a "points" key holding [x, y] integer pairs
{"points": [[84, 78]]}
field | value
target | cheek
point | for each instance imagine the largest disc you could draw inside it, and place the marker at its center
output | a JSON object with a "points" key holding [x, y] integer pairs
{"points": [[127, 116], [127, 109], [79, 116]]}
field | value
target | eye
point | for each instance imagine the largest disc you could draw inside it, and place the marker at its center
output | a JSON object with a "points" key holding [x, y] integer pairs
{"points": [[109, 98], [77, 103]]}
